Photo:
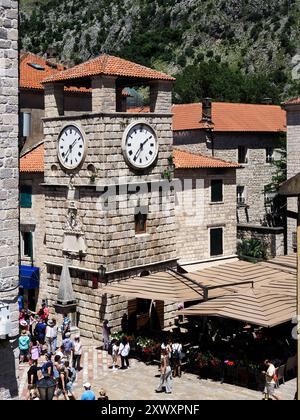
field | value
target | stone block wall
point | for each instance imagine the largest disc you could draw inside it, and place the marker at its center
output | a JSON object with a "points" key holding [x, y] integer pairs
{"points": [[196, 214], [254, 175], [272, 237], [33, 220], [293, 164], [110, 234], [93, 306], [9, 214]]}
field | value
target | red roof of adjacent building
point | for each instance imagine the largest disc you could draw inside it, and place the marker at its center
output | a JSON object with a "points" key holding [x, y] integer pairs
{"points": [[110, 66], [187, 160], [33, 160], [231, 117], [138, 109], [30, 76], [292, 101]]}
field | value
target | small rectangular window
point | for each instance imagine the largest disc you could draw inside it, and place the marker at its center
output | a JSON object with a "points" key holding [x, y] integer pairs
{"points": [[269, 154], [27, 244], [240, 195], [26, 196], [140, 223], [242, 154], [216, 242], [216, 190], [25, 124]]}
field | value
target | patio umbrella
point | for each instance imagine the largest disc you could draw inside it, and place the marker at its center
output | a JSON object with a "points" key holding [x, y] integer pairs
{"points": [[257, 307]]}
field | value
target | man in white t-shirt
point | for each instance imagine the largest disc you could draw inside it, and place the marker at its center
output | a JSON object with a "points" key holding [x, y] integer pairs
{"points": [[270, 375]]}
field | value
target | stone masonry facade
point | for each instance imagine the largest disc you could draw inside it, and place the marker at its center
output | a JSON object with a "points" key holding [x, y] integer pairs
{"points": [[254, 175], [293, 165], [9, 229], [196, 214], [33, 220], [104, 179]]}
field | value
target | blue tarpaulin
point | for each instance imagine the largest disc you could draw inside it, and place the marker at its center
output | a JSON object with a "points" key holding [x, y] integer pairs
{"points": [[29, 277]]}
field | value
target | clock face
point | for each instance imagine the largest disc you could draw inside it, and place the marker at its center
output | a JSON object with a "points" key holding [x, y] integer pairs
{"points": [[71, 147], [140, 145]]}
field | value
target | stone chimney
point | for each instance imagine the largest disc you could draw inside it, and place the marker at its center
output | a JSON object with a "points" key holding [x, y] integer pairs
{"points": [[206, 110]]}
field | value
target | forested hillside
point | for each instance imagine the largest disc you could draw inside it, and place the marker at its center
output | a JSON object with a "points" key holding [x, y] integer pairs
{"points": [[236, 50]]}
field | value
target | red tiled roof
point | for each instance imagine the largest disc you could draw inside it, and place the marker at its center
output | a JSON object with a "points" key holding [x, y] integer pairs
{"points": [[110, 66], [138, 109], [33, 160], [30, 78], [187, 160], [231, 117], [292, 101]]}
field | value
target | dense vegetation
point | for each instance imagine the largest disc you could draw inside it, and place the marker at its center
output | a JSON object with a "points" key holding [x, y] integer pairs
{"points": [[234, 50]]}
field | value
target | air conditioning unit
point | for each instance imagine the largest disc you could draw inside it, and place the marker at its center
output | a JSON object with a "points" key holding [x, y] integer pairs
{"points": [[5, 322]]}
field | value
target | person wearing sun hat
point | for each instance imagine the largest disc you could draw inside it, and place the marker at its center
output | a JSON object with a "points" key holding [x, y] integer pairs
{"points": [[51, 334], [88, 394]]}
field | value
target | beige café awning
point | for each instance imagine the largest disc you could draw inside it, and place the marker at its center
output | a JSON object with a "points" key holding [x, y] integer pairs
{"points": [[164, 286], [254, 307]]}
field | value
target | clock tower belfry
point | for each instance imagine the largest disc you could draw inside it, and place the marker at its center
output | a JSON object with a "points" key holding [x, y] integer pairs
{"points": [[109, 210]]}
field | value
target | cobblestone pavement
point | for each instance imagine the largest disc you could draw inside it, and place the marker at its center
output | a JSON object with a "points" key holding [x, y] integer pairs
{"points": [[139, 382]]}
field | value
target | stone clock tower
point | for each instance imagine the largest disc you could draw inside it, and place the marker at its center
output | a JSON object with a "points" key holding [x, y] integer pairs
{"points": [[108, 209]]}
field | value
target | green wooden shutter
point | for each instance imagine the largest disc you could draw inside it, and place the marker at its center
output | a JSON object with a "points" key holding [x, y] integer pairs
{"points": [[216, 190], [26, 196], [216, 241]]}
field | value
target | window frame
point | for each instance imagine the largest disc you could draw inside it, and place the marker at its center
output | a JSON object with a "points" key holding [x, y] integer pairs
{"points": [[138, 230], [23, 255], [269, 158], [221, 228], [25, 197], [245, 154], [211, 190], [242, 196]]}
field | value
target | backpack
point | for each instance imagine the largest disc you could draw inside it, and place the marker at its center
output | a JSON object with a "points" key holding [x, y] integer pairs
{"points": [[176, 354]]}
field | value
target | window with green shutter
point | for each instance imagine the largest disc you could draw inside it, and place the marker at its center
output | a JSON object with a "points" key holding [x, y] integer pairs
{"points": [[26, 196], [216, 190], [216, 241]]}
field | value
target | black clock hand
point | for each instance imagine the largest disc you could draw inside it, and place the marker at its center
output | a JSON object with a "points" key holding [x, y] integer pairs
{"points": [[140, 149], [71, 148]]}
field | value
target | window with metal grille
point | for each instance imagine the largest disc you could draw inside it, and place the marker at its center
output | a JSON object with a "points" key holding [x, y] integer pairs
{"points": [[242, 154], [216, 190], [216, 241], [26, 196]]}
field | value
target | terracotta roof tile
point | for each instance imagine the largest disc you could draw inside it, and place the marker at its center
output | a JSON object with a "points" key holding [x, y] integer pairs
{"points": [[33, 160], [187, 160], [231, 117], [30, 77], [138, 109], [292, 101], [110, 66]]}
